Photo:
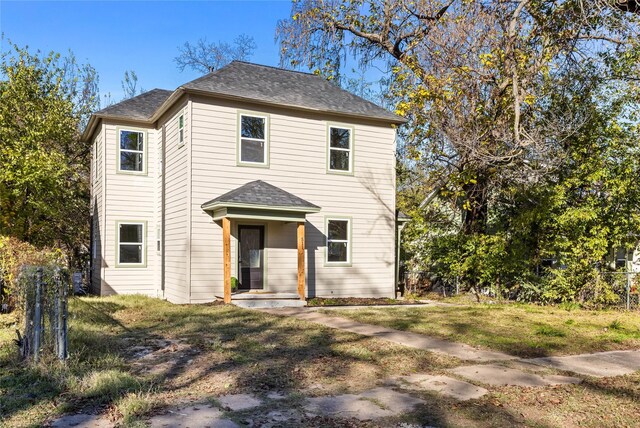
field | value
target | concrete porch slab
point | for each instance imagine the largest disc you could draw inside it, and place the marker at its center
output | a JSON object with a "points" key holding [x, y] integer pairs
{"points": [[259, 295]]}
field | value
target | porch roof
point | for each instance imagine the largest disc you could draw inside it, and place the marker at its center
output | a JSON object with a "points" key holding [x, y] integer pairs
{"points": [[259, 200]]}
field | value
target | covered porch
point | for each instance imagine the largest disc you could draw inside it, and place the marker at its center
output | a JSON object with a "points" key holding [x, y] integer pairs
{"points": [[263, 240]]}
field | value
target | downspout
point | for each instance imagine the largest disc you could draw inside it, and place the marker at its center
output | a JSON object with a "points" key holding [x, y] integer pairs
{"points": [[163, 211], [400, 223], [399, 227]]}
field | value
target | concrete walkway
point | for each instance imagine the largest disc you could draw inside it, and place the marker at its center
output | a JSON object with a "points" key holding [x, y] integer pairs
{"points": [[599, 364], [413, 340]]}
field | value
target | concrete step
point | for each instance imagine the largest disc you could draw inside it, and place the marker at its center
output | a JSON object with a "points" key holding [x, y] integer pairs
{"points": [[264, 296], [268, 303]]}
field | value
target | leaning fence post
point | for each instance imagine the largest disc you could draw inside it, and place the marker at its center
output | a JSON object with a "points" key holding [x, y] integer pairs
{"points": [[37, 321]]}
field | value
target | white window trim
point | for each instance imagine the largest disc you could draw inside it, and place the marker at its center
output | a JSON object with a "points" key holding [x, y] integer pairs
{"points": [[350, 149], [348, 241], [181, 130], [265, 140], [143, 171], [143, 262]]}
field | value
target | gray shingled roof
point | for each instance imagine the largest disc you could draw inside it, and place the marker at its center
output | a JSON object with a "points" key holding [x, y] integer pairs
{"points": [[260, 194], [287, 88], [140, 107]]}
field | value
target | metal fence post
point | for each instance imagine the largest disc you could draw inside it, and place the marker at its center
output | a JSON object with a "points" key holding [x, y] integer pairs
{"points": [[63, 320], [37, 321], [628, 290]]}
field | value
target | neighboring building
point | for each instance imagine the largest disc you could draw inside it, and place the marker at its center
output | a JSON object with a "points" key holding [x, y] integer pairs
{"points": [[277, 178]]}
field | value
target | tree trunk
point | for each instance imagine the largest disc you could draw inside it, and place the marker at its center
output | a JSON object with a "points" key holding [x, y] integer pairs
{"points": [[475, 217]]}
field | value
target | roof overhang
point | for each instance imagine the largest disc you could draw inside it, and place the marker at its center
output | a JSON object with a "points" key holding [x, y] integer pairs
{"points": [[258, 212], [264, 215], [95, 118], [395, 121], [402, 218]]}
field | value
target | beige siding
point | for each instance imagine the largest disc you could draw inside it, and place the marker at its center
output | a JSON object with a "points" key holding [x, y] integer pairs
{"points": [[97, 216], [176, 208], [130, 197], [298, 150]]}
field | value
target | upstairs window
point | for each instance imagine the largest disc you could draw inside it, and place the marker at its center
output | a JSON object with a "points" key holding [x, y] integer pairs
{"points": [[338, 241], [340, 150], [181, 130], [253, 140], [131, 244], [131, 151]]}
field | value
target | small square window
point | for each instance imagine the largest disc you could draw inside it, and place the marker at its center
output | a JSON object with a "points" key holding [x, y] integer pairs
{"points": [[340, 149], [253, 140]]}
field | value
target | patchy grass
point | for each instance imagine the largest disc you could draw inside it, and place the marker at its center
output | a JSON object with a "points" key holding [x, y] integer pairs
{"points": [[522, 330], [131, 356], [200, 352]]}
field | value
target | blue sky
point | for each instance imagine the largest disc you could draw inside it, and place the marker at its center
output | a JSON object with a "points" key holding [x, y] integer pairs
{"points": [[143, 36]]}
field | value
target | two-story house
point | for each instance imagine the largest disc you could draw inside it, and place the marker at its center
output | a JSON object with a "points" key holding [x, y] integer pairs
{"points": [[252, 177]]}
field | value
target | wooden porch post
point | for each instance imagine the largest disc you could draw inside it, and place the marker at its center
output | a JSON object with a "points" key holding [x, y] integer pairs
{"points": [[301, 291], [226, 250]]}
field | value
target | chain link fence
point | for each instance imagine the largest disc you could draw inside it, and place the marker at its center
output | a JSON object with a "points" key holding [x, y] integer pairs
{"points": [[43, 297], [624, 285], [424, 282]]}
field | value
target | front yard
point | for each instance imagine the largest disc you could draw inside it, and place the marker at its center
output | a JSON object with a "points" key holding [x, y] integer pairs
{"points": [[133, 356], [517, 329]]}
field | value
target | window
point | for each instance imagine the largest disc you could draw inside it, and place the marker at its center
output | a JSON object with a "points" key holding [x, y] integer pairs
{"points": [[338, 240], [253, 140], [158, 240], [340, 148], [131, 151], [181, 130], [131, 243]]}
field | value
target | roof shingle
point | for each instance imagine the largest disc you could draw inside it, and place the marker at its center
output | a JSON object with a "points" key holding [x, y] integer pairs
{"points": [[287, 88], [260, 193], [140, 107]]}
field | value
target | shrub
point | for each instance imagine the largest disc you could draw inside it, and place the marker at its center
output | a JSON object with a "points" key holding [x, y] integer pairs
{"points": [[14, 254]]}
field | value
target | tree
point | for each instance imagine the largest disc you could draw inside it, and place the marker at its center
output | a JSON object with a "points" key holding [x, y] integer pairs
{"points": [[44, 168], [206, 57], [502, 98], [130, 85], [473, 77]]}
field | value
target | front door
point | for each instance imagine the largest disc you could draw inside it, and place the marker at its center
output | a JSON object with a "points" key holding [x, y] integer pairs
{"points": [[251, 257]]}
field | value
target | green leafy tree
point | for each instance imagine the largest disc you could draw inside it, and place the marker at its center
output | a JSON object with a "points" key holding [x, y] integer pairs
{"points": [[469, 75], [45, 99], [502, 98]]}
